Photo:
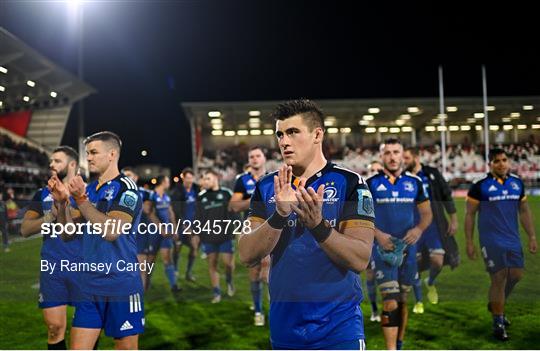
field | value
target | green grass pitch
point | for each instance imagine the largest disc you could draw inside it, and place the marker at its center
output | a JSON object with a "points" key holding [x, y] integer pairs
{"points": [[459, 321]]}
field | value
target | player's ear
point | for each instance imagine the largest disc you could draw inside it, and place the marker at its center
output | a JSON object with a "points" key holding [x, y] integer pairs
{"points": [[319, 134]]}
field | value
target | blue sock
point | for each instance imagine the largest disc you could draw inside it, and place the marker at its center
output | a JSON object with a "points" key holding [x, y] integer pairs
{"points": [[228, 277], [191, 260], [216, 290], [256, 294], [498, 319], [399, 344], [417, 286], [372, 294], [433, 273], [169, 273]]}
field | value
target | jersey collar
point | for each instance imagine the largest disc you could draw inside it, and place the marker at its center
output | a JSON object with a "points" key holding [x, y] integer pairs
{"points": [[313, 178]]}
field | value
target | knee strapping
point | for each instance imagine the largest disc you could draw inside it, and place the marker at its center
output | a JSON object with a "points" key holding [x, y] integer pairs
{"points": [[391, 319]]}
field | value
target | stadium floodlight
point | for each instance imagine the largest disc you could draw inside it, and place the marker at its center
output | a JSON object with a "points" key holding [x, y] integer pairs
{"points": [[1, 103], [451, 109], [332, 130], [216, 121], [345, 130], [374, 110], [515, 114], [31, 83], [453, 128], [465, 128], [441, 128], [400, 122], [144, 153], [230, 133], [329, 121], [471, 120], [478, 127], [363, 123], [413, 109], [406, 129], [371, 130], [405, 116], [242, 132], [217, 132], [368, 117], [176, 179], [255, 120], [254, 113], [507, 119], [508, 127], [490, 108], [478, 115], [494, 127], [521, 126], [217, 126], [153, 181], [53, 94], [535, 126], [430, 128], [528, 107], [255, 132], [2, 88], [3, 70], [26, 98], [538, 119], [383, 129], [268, 132], [214, 114], [395, 130]]}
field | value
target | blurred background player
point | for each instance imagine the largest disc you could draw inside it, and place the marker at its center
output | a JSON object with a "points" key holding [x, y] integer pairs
{"points": [[143, 239], [316, 221], [244, 187], [397, 195], [162, 215], [499, 198], [212, 210], [371, 283], [113, 299], [184, 202], [60, 289], [440, 231]]}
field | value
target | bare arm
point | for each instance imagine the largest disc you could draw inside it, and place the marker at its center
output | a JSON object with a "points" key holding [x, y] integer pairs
{"points": [[253, 247], [470, 214], [238, 204], [91, 214], [525, 218], [426, 216], [32, 222], [350, 249]]}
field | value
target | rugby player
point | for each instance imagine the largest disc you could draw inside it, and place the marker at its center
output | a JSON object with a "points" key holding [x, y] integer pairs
{"points": [[216, 235], [440, 196], [315, 220], [499, 198], [113, 300], [243, 189], [144, 250], [59, 289], [397, 195]]}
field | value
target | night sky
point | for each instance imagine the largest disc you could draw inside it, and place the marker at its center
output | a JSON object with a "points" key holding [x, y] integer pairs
{"points": [[145, 58]]}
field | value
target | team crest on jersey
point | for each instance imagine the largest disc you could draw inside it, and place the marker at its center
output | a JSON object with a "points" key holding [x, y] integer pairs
{"points": [[109, 194], [330, 194], [219, 196], [365, 203], [204, 199], [514, 186], [408, 186], [129, 200]]}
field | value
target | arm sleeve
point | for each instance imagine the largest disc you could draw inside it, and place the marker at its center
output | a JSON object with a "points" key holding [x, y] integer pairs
{"points": [[35, 204], [474, 192], [257, 207], [446, 192], [421, 195], [522, 194], [127, 201], [359, 203]]}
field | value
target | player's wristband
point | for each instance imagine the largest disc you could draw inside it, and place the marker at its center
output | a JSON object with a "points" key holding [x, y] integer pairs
{"points": [[277, 221], [322, 231], [79, 200]]}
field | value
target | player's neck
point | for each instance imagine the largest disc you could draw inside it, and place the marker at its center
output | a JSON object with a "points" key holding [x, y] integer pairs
{"points": [[159, 190], [215, 188], [111, 173], [315, 165], [394, 174], [258, 173], [417, 168]]}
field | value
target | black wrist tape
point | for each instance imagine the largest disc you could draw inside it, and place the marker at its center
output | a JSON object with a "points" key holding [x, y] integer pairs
{"points": [[321, 232], [277, 221]]}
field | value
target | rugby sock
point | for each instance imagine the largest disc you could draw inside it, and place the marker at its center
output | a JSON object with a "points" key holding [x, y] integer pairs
{"points": [[191, 260], [417, 286], [176, 258], [498, 319], [169, 273], [228, 277], [61, 345], [372, 294], [256, 294], [433, 273], [216, 290], [399, 344]]}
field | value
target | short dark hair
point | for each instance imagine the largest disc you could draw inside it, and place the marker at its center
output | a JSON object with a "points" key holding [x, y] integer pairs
{"points": [[212, 171], [495, 152], [187, 170], [413, 150], [160, 179], [256, 147], [69, 152], [311, 113], [105, 136]]}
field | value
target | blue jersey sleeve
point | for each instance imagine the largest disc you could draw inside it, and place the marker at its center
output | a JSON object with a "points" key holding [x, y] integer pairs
{"points": [[359, 202], [257, 208], [475, 192], [35, 204], [239, 186], [421, 195], [126, 200]]}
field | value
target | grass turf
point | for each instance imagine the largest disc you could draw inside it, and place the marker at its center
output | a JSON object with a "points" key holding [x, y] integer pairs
{"points": [[189, 321]]}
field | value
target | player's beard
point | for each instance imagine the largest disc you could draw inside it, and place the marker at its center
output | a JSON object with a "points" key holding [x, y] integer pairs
{"points": [[61, 174], [411, 166]]}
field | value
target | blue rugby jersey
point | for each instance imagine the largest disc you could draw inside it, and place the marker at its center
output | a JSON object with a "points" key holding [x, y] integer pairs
{"points": [[162, 205], [119, 194], [145, 196], [499, 201], [245, 185], [396, 201], [191, 204], [314, 303], [55, 249]]}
